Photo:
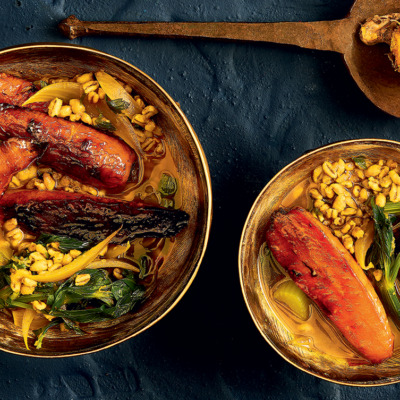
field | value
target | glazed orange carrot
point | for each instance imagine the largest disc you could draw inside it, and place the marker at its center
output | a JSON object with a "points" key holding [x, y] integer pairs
{"points": [[320, 265], [90, 155], [15, 155], [14, 90]]}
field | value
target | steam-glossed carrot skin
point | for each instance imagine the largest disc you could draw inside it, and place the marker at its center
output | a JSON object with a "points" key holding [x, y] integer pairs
{"points": [[16, 91], [91, 156], [320, 265], [15, 155]]}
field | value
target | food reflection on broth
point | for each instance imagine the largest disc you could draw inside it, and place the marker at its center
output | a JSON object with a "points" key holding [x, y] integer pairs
{"points": [[354, 198], [90, 219]]}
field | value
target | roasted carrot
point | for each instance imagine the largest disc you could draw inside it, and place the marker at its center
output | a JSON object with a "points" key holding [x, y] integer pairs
{"points": [[16, 91], [15, 155], [81, 151], [321, 266]]}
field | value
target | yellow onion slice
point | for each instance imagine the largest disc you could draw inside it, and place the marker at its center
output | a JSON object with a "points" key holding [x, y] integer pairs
{"points": [[5, 251], [124, 128], [75, 266], [363, 244], [116, 91], [39, 320], [114, 251], [108, 263], [62, 90], [27, 319]]}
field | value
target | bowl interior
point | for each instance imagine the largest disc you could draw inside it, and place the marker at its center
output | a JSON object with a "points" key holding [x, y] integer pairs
{"points": [[256, 282], [34, 61]]}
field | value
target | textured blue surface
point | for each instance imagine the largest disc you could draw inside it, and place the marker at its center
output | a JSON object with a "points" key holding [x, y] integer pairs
{"points": [[255, 108]]}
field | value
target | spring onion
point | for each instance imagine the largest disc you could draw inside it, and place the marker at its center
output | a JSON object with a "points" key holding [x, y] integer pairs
{"points": [[382, 255]]}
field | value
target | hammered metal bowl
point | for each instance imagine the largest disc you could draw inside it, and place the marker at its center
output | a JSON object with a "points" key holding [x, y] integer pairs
{"points": [[35, 60], [257, 279]]}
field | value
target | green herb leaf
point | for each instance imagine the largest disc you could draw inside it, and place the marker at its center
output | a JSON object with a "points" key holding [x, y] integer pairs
{"points": [[168, 185], [360, 162], [144, 266], [66, 243], [128, 294], [104, 124], [117, 105]]}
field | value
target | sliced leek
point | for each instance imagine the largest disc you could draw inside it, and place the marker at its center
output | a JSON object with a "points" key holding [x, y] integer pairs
{"points": [[293, 297]]}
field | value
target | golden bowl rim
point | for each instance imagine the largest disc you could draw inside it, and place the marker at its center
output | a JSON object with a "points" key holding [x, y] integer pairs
{"points": [[204, 164], [371, 141]]}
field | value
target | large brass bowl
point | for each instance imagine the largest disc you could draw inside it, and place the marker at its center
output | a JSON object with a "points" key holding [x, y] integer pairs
{"points": [[256, 280], [35, 60]]}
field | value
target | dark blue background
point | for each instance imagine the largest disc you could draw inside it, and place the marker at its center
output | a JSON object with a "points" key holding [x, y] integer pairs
{"points": [[255, 108]]}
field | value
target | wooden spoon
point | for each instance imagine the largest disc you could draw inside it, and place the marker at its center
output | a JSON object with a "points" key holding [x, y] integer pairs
{"points": [[368, 65]]}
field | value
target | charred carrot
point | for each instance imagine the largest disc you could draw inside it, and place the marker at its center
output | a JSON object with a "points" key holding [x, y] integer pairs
{"points": [[320, 265], [89, 218]]}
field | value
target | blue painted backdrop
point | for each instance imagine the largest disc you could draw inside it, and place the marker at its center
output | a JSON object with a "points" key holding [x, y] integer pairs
{"points": [[255, 108]]}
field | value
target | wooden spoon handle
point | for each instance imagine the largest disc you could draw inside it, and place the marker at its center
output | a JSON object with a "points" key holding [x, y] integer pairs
{"points": [[321, 35]]}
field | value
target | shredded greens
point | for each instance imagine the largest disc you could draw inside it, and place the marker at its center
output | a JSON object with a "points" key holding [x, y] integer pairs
{"points": [[101, 298], [107, 299]]}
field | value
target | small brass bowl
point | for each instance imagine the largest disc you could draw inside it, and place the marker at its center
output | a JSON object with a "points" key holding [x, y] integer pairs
{"points": [[33, 61], [257, 278]]}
